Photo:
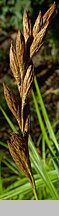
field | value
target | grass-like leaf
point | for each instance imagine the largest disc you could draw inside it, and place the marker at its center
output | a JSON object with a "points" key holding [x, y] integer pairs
{"points": [[45, 116], [8, 120], [39, 166], [23, 187], [48, 142]]}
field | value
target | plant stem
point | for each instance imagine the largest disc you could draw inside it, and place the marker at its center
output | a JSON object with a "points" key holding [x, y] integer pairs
{"points": [[34, 188]]}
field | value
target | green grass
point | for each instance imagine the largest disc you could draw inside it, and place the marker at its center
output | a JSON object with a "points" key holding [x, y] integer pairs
{"points": [[13, 184]]}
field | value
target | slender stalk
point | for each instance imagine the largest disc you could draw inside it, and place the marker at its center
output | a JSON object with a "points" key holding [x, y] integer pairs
{"points": [[34, 188]]}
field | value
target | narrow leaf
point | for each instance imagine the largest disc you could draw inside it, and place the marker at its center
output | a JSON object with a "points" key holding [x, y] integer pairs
{"points": [[44, 112], [8, 120]]}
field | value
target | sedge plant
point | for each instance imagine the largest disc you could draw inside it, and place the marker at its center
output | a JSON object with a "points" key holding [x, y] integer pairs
{"points": [[28, 44]]}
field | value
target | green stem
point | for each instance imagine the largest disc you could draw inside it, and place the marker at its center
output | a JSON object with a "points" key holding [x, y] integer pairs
{"points": [[34, 188]]}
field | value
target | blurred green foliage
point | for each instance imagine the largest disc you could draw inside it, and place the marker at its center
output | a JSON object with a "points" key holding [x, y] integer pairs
{"points": [[11, 12]]}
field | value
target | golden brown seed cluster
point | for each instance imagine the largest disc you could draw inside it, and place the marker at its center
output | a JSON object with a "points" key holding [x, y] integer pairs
{"points": [[27, 45]]}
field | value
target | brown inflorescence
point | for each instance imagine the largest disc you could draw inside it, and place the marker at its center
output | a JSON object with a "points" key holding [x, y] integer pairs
{"points": [[27, 45]]}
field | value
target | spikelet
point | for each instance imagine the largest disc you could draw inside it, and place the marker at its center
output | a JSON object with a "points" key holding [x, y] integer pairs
{"points": [[26, 88], [14, 66], [12, 103], [28, 80], [49, 13], [27, 121], [19, 151], [39, 30], [20, 51], [38, 40], [27, 27], [41, 20], [37, 24]]}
